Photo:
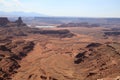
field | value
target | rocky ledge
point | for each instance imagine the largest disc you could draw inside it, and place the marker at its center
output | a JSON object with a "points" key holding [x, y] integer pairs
{"points": [[10, 55]]}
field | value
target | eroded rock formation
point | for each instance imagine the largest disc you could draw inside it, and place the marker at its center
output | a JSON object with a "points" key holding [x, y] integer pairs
{"points": [[19, 22], [93, 63], [10, 55], [4, 22], [99, 62]]}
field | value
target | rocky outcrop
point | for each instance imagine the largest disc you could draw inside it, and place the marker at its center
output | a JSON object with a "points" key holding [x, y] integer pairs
{"points": [[54, 33], [100, 61], [10, 55], [3, 21], [93, 45], [19, 22]]}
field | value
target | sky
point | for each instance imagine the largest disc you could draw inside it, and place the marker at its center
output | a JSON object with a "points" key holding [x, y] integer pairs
{"points": [[72, 8]]}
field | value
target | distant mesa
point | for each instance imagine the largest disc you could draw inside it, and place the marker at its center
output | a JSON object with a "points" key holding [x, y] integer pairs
{"points": [[112, 32], [4, 22], [84, 24], [54, 33]]}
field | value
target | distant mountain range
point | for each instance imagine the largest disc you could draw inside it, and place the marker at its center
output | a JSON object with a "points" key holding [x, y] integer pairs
{"points": [[22, 14]]}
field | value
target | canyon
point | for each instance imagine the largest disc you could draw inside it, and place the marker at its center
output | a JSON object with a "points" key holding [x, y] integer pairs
{"points": [[60, 53]]}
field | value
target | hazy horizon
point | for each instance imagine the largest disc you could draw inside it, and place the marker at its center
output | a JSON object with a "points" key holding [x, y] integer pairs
{"points": [[64, 8]]}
